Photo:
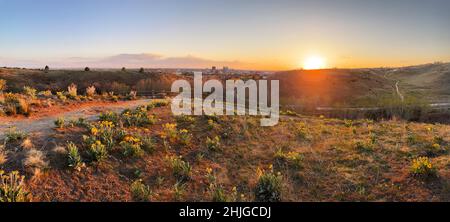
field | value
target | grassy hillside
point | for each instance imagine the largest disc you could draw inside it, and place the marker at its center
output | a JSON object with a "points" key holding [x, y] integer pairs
{"points": [[105, 81], [159, 157], [431, 79]]}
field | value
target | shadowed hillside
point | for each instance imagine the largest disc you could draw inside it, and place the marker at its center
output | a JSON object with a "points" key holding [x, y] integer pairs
{"points": [[105, 81]]}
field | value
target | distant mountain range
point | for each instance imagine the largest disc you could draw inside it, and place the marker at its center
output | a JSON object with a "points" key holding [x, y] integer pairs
{"points": [[146, 60]]}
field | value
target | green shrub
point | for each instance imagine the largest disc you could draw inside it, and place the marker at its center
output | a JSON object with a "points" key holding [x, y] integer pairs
{"points": [[213, 144], [157, 103], [12, 188], [364, 145], [218, 194], [14, 104], [137, 117], [110, 116], [131, 149], [29, 91], [268, 187], [423, 167], [148, 145], [61, 96], [294, 159], [45, 93], [178, 190], [181, 169], [59, 122], [434, 149], [184, 137], [73, 156], [105, 133], [13, 135], [72, 91], [185, 120], [98, 151], [140, 191], [302, 132]]}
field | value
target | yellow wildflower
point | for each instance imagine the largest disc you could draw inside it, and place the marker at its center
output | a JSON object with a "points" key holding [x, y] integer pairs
{"points": [[94, 131]]}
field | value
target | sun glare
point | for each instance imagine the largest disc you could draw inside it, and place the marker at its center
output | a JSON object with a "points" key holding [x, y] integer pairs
{"points": [[314, 62]]}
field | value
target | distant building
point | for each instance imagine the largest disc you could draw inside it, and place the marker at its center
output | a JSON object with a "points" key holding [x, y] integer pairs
{"points": [[225, 69]]}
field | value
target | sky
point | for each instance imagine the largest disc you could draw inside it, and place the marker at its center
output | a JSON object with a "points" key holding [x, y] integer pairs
{"points": [[250, 34]]}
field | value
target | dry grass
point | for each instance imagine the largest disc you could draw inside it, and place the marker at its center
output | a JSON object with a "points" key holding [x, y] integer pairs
{"points": [[3, 157], [27, 144], [35, 161], [60, 150], [319, 159]]}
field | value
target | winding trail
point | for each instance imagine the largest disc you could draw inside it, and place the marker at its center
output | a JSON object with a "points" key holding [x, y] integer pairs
{"points": [[398, 91], [45, 125]]}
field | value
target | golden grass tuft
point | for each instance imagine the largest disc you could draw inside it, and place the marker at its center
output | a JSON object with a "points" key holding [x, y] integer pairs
{"points": [[27, 144], [3, 157], [59, 150], [34, 161]]}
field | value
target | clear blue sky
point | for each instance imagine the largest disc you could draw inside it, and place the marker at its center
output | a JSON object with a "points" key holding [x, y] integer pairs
{"points": [[263, 34]]}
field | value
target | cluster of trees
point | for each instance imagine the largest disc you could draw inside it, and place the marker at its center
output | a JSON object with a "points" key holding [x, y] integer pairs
{"points": [[87, 69]]}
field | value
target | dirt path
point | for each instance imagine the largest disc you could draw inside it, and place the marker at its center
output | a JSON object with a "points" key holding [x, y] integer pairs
{"points": [[398, 91], [45, 125]]}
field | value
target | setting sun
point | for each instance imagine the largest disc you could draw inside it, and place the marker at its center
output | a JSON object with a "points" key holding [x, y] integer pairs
{"points": [[314, 62]]}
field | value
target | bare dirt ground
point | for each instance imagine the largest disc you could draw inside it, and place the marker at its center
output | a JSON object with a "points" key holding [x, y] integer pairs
{"points": [[44, 124]]}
